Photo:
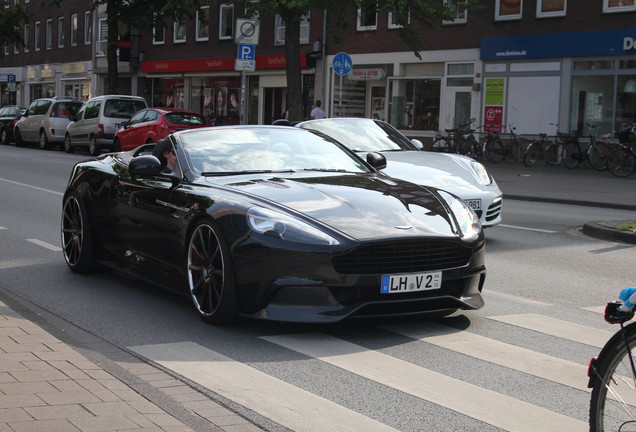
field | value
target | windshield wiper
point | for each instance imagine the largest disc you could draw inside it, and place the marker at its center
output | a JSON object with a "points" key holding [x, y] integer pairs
{"points": [[326, 170], [231, 173]]}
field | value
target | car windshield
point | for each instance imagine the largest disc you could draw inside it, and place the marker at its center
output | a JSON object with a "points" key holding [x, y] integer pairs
{"points": [[186, 119], [362, 134], [230, 151]]}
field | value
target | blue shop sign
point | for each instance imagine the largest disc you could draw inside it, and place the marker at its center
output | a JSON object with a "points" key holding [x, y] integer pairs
{"points": [[576, 44]]}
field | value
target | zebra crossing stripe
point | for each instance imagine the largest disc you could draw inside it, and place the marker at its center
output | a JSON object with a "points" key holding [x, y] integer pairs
{"points": [[559, 328], [485, 405], [521, 359], [283, 403]]}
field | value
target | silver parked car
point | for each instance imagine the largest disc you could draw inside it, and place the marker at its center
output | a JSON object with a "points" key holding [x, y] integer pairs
{"points": [[45, 121], [460, 175], [100, 117]]}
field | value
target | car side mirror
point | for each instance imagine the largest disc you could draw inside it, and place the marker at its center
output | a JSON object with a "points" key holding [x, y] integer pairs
{"points": [[417, 143], [376, 160], [146, 165], [124, 124]]}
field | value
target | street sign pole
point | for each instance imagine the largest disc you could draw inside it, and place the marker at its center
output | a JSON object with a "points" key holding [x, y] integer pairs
{"points": [[246, 36], [342, 65]]}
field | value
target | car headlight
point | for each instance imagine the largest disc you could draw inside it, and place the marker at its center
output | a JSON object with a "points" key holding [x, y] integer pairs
{"points": [[466, 218], [481, 173], [285, 227]]}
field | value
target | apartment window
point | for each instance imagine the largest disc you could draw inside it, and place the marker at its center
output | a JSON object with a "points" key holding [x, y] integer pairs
{"points": [[36, 36], [60, 32], [6, 49], [506, 10], [203, 23], [367, 16], [74, 29], [179, 30], [16, 47], [27, 34], [48, 44], [226, 21], [458, 9], [610, 6], [551, 8], [158, 36], [102, 37], [279, 30], [398, 19], [88, 28]]}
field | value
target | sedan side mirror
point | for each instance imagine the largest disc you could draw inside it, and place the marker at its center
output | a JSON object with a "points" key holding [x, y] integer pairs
{"points": [[376, 160], [146, 165]]}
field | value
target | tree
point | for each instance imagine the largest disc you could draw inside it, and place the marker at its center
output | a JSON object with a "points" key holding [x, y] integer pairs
{"points": [[12, 20], [411, 16], [144, 15]]}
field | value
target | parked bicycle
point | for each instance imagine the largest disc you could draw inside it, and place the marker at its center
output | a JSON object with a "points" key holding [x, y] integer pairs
{"points": [[574, 152], [622, 158], [496, 149], [536, 150], [612, 375], [460, 140]]}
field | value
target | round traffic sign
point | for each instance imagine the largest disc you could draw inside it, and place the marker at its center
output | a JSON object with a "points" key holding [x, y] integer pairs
{"points": [[342, 63]]}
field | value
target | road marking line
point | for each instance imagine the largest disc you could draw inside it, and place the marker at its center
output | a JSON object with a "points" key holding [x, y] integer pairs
{"points": [[555, 327], [2, 228], [595, 309], [527, 229], [486, 405], [290, 406], [517, 358], [516, 298], [31, 186], [15, 263], [45, 245]]}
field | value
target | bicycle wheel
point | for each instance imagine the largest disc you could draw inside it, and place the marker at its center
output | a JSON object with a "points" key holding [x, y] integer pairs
{"points": [[551, 156], [598, 156], [621, 162], [441, 145], [470, 148], [613, 400], [532, 154], [569, 155], [494, 150]]}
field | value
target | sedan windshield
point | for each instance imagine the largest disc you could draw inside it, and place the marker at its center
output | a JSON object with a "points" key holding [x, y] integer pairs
{"points": [[238, 150], [362, 134]]}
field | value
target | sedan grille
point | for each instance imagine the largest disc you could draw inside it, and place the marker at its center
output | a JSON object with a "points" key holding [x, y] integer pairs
{"points": [[403, 257]]}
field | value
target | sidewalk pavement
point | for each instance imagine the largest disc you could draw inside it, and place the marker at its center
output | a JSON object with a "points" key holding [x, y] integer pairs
{"points": [[86, 384]]}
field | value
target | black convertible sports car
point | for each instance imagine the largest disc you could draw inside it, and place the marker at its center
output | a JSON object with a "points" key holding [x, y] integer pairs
{"points": [[273, 223]]}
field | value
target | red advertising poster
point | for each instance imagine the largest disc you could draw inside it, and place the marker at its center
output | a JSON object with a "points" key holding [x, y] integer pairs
{"points": [[493, 118]]}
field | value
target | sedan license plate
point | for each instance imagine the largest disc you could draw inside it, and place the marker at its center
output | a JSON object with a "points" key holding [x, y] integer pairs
{"points": [[474, 204], [411, 282]]}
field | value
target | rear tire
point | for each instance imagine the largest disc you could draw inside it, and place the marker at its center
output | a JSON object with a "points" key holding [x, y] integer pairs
{"points": [[552, 154], [93, 147], [116, 145], [44, 141], [599, 156], [494, 150], [77, 239], [4, 136], [532, 155], [621, 162], [569, 159]]}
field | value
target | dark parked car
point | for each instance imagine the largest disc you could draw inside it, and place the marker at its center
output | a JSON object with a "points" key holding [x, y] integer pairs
{"points": [[152, 124], [9, 115], [273, 223]]}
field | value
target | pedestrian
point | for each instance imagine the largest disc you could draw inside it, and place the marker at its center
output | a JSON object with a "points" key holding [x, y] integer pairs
{"points": [[317, 112]]}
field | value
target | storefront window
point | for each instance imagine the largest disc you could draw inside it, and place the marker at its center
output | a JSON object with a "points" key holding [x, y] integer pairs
{"points": [[415, 104], [168, 93], [218, 99], [626, 100], [592, 104]]}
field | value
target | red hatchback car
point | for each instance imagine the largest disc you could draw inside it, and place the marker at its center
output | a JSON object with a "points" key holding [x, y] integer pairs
{"points": [[152, 124]]}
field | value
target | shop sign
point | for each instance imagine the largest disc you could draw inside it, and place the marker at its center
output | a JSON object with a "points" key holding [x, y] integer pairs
{"points": [[369, 74], [73, 68], [216, 64]]}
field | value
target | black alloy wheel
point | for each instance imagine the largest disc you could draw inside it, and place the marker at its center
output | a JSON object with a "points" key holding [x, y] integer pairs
{"points": [[77, 241]]}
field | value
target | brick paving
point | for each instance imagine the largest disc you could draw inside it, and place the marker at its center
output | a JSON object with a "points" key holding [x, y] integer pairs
{"points": [[48, 386]]}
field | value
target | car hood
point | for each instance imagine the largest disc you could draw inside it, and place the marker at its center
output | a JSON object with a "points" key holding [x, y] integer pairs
{"points": [[360, 206], [441, 170]]}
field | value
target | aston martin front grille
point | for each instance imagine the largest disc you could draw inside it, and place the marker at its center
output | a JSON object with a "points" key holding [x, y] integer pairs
{"points": [[403, 257]]}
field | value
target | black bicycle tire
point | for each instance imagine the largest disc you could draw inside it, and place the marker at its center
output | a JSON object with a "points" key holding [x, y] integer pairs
{"points": [[568, 161], [532, 154], [493, 150], [551, 155], [606, 366], [598, 156], [622, 162], [443, 148]]}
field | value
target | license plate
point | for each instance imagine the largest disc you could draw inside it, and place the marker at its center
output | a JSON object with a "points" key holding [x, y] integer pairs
{"points": [[411, 282], [474, 204]]}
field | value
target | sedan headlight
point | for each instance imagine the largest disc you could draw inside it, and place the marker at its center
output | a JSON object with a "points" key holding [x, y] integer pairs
{"points": [[466, 218], [285, 227], [480, 173]]}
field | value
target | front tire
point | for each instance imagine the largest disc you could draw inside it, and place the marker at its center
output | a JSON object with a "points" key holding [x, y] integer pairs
{"points": [[615, 376], [599, 156], [4, 136], [68, 145], [77, 239], [18, 139], [532, 154], [622, 163], [210, 275], [569, 158]]}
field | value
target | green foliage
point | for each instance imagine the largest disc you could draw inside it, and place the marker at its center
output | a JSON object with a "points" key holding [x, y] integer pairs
{"points": [[12, 20]]}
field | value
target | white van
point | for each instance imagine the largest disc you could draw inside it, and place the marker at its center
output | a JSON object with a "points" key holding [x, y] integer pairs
{"points": [[95, 124]]}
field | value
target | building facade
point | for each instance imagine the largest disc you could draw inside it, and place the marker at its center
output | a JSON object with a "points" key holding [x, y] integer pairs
{"points": [[540, 65]]}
